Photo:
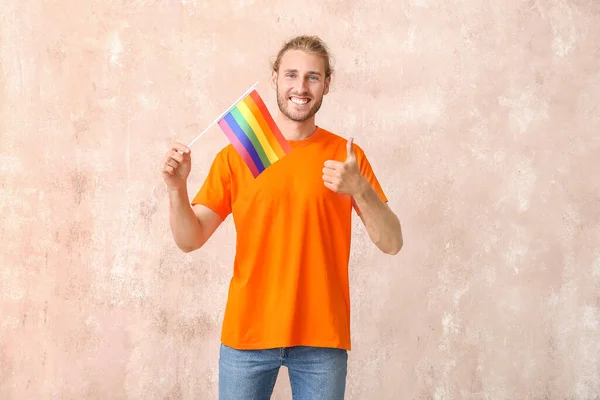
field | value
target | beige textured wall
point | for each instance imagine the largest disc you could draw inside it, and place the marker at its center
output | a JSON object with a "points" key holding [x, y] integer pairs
{"points": [[481, 119]]}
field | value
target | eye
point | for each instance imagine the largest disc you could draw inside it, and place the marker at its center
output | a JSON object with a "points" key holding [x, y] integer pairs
{"points": [[289, 75], [314, 78]]}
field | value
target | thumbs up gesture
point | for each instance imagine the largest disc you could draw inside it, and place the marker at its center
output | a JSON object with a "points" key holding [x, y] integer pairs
{"points": [[344, 177]]}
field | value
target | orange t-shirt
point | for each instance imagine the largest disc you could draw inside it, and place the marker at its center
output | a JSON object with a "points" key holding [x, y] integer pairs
{"points": [[290, 275]]}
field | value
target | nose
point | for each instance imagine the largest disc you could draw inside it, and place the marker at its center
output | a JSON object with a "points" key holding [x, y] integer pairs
{"points": [[301, 85]]}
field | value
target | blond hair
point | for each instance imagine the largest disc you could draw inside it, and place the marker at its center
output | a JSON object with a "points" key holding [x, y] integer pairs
{"points": [[309, 44]]}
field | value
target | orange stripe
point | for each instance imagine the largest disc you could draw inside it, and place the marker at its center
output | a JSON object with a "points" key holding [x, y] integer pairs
{"points": [[264, 126], [285, 146]]}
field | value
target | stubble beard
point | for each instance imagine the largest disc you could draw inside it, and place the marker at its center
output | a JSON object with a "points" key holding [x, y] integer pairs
{"points": [[282, 103]]}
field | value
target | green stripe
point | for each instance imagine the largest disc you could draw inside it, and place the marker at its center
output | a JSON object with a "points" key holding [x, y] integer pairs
{"points": [[251, 135]]}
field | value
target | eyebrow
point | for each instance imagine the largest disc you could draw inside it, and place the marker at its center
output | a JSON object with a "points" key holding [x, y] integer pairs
{"points": [[309, 72]]}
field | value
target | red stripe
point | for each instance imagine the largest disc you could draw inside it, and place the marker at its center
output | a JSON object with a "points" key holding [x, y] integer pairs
{"points": [[239, 147], [274, 129]]}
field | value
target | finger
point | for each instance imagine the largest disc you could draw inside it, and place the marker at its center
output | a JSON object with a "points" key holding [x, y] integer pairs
{"points": [[172, 163], [330, 171], [176, 156], [331, 179], [180, 148], [330, 186], [167, 169], [349, 149], [338, 170], [333, 164]]}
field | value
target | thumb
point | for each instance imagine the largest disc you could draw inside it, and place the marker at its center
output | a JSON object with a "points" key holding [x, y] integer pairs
{"points": [[349, 149]]}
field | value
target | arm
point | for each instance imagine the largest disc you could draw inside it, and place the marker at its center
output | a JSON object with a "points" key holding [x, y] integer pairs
{"points": [[383, 226], [191, 226]]}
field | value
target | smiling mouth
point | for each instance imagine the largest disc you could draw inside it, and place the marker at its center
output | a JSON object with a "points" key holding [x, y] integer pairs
{"points": [[301, 101]]}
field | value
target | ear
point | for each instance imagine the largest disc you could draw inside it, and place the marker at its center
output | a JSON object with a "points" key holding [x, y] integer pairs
{"points": [[327, 82], [273, 80]]}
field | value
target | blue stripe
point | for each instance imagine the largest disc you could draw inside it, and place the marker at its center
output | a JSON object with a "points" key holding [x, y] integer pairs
{"points": [[241, 135]]}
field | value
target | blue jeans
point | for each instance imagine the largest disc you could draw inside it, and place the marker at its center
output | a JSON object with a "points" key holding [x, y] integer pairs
{"points": [[316, 373]]}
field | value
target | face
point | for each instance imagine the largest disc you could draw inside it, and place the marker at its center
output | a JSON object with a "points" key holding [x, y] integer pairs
{"points": [[301, 84]]}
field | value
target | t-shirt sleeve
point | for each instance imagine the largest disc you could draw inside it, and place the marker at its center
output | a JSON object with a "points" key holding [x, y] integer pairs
{"points": [[215, 192], [367, 172]]}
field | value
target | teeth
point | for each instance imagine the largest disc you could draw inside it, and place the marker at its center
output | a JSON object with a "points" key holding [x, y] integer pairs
{"points": [[299, 101]]}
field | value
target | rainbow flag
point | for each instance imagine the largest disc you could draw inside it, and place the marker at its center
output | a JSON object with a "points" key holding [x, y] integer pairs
{"points": [[253, 133]]}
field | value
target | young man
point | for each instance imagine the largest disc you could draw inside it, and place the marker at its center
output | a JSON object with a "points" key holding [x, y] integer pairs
{"points": [[288, 301]]}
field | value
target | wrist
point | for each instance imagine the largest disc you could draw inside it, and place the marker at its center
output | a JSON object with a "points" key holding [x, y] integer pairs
{"points": [[361, 190], [177, 193]]}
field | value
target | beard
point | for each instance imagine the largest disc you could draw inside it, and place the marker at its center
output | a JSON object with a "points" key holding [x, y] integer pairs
{"points": [[283, 102]]}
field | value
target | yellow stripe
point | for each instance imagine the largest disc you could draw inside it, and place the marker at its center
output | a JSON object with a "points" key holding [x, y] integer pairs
{"points": [[260, 118], [249, 117]]}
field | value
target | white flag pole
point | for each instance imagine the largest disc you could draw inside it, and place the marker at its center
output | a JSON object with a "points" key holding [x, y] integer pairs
{"points": [[225, 112]]}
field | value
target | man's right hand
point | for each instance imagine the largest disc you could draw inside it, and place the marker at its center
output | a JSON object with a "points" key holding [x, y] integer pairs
{"points": [[177, 166]]}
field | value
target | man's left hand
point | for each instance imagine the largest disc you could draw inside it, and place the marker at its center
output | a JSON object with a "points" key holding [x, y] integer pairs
{"points": [[344, 177]]}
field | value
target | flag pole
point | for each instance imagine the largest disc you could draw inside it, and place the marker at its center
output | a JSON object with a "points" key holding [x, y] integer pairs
{"points": [[225, 112]]}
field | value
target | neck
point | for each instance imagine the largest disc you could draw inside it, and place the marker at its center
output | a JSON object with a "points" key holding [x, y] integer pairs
{"points": [[293, 130]]}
